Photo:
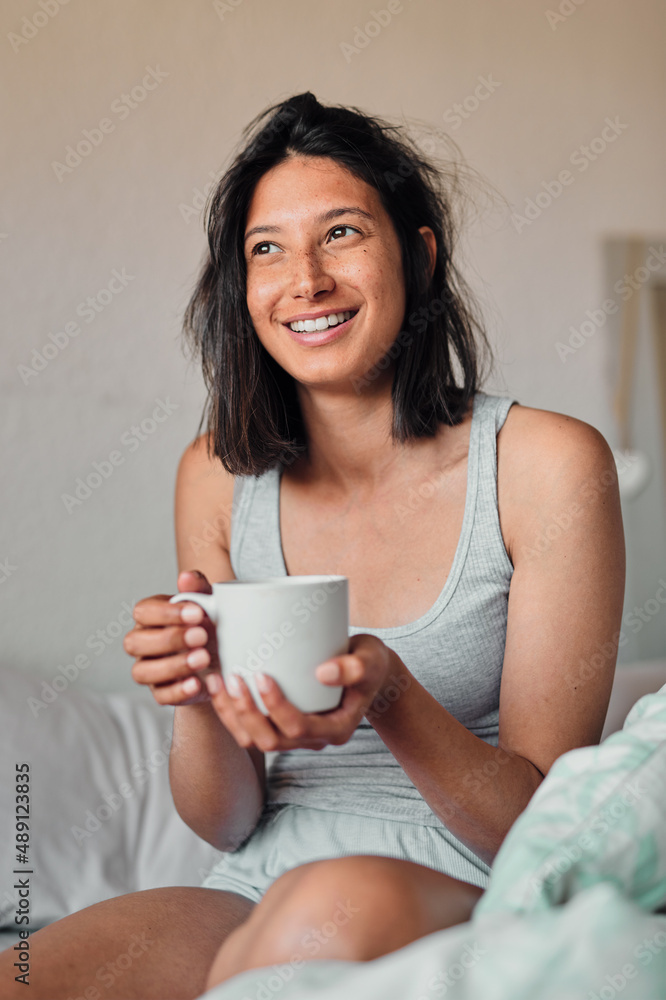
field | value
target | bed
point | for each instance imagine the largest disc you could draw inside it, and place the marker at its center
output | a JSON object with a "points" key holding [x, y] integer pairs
{"points": [[576, 906]]}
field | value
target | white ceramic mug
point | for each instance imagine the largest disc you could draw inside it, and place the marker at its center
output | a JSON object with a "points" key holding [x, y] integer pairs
{"points": [[283, 626]]}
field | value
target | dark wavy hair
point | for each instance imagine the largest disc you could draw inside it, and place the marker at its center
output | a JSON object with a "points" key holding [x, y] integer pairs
{"points": [[253, 413]]}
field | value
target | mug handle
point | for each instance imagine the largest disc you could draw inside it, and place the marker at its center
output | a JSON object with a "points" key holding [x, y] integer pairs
{"points": [[206, 601]]}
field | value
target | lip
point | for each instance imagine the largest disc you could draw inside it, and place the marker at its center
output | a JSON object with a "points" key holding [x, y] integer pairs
{"points": [[320, 336]]}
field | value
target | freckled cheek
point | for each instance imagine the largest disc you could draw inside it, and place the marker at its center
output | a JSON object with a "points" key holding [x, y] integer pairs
{"points": [[373, 281], [384, 289], [261, 299]]}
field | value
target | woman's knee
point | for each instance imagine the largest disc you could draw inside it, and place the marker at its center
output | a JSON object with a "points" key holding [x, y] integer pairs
{"points": [[354, 908]]}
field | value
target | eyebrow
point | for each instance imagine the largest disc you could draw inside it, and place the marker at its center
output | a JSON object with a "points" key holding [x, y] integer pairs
{"points": [[333, 213]]}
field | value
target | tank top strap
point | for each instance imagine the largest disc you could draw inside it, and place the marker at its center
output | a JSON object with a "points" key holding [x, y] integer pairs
{"points": [[255, 549], [491, 412]]}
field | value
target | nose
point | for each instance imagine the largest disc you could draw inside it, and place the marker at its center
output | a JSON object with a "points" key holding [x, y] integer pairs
{"points": [[309, 275]]}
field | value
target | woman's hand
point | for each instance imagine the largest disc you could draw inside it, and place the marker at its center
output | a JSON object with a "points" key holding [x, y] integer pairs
{"points": [[364, 671], [170, 649]]}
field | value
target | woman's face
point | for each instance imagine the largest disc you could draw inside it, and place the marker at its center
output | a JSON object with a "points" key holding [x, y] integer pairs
{"points": [[323, 244]]}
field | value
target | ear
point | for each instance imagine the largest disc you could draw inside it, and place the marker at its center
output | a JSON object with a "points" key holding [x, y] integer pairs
{"points": [[429, 237]]}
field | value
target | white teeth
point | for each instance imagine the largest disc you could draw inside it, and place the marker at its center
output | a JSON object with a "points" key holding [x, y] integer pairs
{"points": [[323, 323]]}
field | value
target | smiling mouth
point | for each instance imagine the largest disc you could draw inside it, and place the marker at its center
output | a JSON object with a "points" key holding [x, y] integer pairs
{"points": [[322, 323]]}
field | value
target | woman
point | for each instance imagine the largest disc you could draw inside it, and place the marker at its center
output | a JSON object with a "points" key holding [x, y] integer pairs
{"points": [[355, 449]]}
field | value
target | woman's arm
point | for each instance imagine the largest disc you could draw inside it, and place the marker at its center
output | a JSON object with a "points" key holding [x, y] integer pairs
{"points": [[218, 787], [215, 784], [563, 627]]}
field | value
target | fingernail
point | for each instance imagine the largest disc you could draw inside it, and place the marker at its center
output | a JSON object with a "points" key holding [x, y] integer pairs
{"points": [[191, 613], [191, 685], [328, 672], [213, 683], [263, 683], [196, 636], [233, 687], [199, 658]]}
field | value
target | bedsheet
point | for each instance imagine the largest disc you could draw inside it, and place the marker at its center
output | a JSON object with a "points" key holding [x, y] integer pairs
{"points": [[575, 908]]}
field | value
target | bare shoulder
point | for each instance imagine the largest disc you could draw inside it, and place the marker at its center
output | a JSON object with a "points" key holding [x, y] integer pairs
{"points": [[528, 428], [204, 496], [546, 460]]}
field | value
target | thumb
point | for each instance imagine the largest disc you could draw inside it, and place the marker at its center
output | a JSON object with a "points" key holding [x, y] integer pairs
{"points": [[366, 659], [346, 669], [193, 579]]}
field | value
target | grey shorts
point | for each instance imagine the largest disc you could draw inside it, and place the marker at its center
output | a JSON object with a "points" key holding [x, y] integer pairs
{"points": [[289, 835]]}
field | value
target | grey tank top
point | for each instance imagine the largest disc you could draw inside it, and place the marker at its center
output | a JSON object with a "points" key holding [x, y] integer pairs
{"points": [[455, 650]]}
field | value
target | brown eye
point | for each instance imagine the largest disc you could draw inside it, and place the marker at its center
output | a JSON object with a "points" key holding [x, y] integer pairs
{"points": [[344, 227], [257, 246]]}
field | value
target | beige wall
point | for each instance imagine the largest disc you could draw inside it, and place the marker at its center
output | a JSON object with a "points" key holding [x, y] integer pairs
{"points": [[64, 233]]}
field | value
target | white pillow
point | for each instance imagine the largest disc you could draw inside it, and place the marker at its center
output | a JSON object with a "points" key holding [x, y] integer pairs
{"points": [[102, 819]]}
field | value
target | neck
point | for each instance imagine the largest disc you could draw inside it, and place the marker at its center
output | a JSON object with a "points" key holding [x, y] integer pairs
{"points": [[350, 449]]}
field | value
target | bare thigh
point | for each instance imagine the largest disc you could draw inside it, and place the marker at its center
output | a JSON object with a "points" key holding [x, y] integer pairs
{"points": [[352, 908], [157, 944]]}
